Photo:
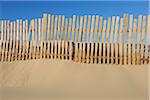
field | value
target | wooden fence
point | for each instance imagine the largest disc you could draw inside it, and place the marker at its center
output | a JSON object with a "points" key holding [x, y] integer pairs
{"points": [[84, 39]]}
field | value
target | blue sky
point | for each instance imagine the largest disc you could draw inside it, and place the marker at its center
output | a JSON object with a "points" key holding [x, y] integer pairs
{"points": [[33, 9]]}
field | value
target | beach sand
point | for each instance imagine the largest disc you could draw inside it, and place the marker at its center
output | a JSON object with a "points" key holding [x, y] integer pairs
{"points": [[43, 79]]}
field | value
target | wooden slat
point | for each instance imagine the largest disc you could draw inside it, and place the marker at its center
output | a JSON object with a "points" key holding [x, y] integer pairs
{"points": [[14, 42], [44, 34], [7, 40], [73, 27], [125, 26], [66, 28], [69, 29], [44, 20], [4, 38], [1, 39], [87, 39], [64, 35], [115, 39], [39, 29], [103, 41], [95, 38], [77, 28], [133, 41], [21, 39], [138, 39], [36, 29], [80, 29], [99, 36], [84, 29], [58, 27], [10, 45], [61, 36], [107, 42], [76, 37], [48, 34], [36, 48], [5, 29], [83, 39], [58, 36], [55, 32], [120, 42], [55, 27], [91, 39], [147, 54], [2, 30], [62, 27], [51, 36], [111, 39], [129, 39], [31, 41], [70, 50], [55, 52], [20, 31], [142, 38], [23, 50], [69, 34], [27, 30], [80, 35], [39, 38], [27, 38]]}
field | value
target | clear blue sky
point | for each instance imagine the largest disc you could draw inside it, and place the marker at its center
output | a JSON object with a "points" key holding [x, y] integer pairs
{"points": [[33, 9]]}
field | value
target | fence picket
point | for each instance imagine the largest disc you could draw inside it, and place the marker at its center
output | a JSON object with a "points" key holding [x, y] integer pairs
{"points": [[103, 43], [87, 40], [115, 40], [120, 41], [142, 38], [138, 40], [133, 42], [111, 39]]}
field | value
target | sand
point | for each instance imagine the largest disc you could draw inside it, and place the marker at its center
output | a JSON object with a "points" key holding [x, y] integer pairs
{"points": [[67, 80]]}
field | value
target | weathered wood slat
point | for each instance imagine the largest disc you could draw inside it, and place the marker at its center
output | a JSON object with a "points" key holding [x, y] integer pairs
{"points": [[87, 39], [55, 34], [111, 39], [138, 40], [120, 41], [103, 42], [95, 39], [130, 39], [84, 39], [125, 26], [134, 42], [51, 36], [147, 54], [115, 40], [64, 35], [79, 39], [143, 38], [91, 39], [5, 41]]}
